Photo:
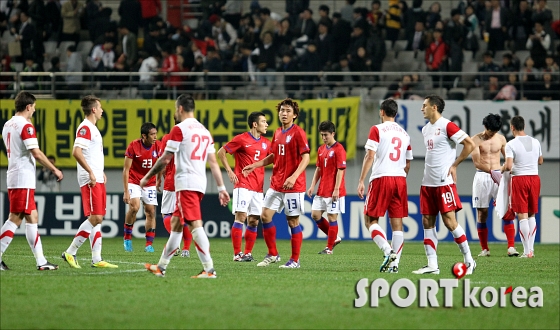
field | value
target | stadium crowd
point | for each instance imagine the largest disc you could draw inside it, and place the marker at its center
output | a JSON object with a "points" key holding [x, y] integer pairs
{"points": [[518, 41]]}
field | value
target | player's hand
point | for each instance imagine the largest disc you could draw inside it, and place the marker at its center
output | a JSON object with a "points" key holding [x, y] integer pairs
{"points": [[453, 173], [92, 180], [335, 195], [232, 177], [126, 197], [58, 174], [361, 189], [289, 183], [224, 197], [496, 176], [247, 170], [310, 191], [104, 178], [143, 182]]}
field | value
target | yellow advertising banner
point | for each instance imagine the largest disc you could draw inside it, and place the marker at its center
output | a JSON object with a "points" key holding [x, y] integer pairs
{"points": [[56, 122]]}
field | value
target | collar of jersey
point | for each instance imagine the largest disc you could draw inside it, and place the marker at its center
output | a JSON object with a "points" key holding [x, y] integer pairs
{"points": [[287, 129]]}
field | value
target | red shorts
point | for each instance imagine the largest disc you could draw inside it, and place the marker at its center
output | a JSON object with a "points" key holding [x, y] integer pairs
{"points": [[94, 199], [443, 199], [387, 193], [22, 200], [188, 205], [525, 191]]}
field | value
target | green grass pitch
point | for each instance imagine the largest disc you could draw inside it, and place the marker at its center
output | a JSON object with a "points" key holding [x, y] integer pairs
{"points": [[320, 295]]}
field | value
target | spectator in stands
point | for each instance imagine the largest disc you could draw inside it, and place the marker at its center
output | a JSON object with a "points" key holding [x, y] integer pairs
{"points": [[393, 21], [268, 24], [360, 62], [283, 36], [325, 45], [306, 25], [488, 65], [436, 57], [548, 89], [231, 12], [150, 64], [310, 62], [358, 38], [508, 65], [538, 44], [528, 77], [347, 10], [359, 15], [93, 17], [74, 65], [417, 41], [291, 82], [455, 36], [130, 12], [36, 12], [150, 11], [497, 22], [225, 36], [510, 91], [550, 64], [522, 25], [213, 64], [294, 8], [375, 16], [471, 22], [128, 47], [246, 33], [170, 65], [433, 16], [340, 80], [199, 84], [399, 90], [324, 11], [492, 87], [102, 59], [341, 31], [412, 17], [53, 23], [31, 82], [377, 51], [58, 79], [71, 12], [153, 42], [24, 32], [265, 60], [6, 81], [543, 14]]}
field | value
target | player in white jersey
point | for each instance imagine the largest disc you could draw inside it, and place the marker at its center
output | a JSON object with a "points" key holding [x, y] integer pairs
{"points": [[88, 151], [22, 149], [388, 154], [191, 146], [523, 157], [438, 193]]}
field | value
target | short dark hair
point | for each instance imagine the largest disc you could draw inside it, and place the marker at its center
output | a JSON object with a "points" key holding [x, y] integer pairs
{"points": [[436, 100], [146, 128], [254, 118], [23, 99], [390, 107], [325, 8], [492, 122], [518, 123], [71, 48], [51, 157], [88, 102], [291, 103], [186, 101], [265, 11], [326, 126]]}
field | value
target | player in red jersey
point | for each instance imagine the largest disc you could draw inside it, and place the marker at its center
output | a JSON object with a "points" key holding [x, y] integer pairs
{"points": [[139, 158], [290, 155], [248, 148], [330, 171], [22, 150], [438, 193], [388, 154]]}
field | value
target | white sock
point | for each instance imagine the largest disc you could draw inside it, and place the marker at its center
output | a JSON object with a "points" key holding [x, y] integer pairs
{"points": [[533, 233], [430, 246], [95, 241], [462, 243], [172, 245], [202, 248], [525, 232], [82, 235], [397, 244], [6, 234], [34, 241], [380, 238]]}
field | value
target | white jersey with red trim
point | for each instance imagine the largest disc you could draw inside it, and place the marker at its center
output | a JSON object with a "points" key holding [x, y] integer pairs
{"points": [[440, 139], [191, 143], [391, 144], [525, 151], [19, 137], [89, 139]]}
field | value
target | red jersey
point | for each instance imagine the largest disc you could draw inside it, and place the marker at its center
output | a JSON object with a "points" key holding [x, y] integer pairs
{"points": [[288, 146], [247, 150], [143, 158], [330, 160], [169, 179]]}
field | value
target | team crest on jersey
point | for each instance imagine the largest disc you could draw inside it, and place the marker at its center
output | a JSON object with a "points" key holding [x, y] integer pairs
{"points": [[438, 131], [30, 130], [82, 132], [154, 153], [264, 146], [288, 139], [331, 153]]}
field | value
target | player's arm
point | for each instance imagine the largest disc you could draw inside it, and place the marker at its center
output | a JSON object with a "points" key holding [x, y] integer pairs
{"points": [[475, 155], [468, 147], [126, 175], [366, 165], [508, 165], [43, 160], [336, 192], [222, 156], [263, 162], [289, 183], [159, 166], [79, 156], [316, 177], [217, 174], [541, 160], [407, 167]]}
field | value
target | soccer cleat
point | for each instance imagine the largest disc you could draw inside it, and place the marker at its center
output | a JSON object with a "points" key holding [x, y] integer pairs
{"points": [[530, 255], [48, 266], [326, 251], [238, 256], [268, 259], [512, 252], [3, 266], [290, 264], [388, 259], [155, 269], [127, 245], [206, 274], [484, 253], [149, 249], [426, 270], [337, 241], [471, 267], [103, 264], [71, 260], [393, 269], [248, 258], [186, 254], [177, 252]]}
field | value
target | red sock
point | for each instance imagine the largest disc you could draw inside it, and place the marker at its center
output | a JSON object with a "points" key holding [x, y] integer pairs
{"points": [[297, 238], [128, 231], [323, 224], [187, 238], [236, 237], [250, 238], [269, 233], [167, 222], [333, 233], [150, 235], [509, 230], [482, 235]]}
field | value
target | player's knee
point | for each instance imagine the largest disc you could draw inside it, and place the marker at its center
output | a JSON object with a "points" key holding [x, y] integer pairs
{"points": [[253, 221]]}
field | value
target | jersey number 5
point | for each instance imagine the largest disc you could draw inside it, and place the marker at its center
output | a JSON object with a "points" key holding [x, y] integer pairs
{"points": [[197, 139], [396, 155]]}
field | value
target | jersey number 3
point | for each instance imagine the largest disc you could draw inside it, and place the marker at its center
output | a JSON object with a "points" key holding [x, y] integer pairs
{"points": [[396, 155]]}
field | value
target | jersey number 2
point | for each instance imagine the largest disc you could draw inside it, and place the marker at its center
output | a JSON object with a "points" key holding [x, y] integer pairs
{"points": [[396, 155], [197, 139]]}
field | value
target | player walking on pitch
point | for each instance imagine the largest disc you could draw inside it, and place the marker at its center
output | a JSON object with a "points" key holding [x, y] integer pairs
{"points": [[290, 155], [329, 172], [88, 151], [438, 193], [247, 148], [193, 146], [22, 150], [388, 154]]}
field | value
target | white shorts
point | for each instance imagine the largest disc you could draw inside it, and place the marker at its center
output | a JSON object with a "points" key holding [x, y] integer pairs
{"points": [[247, 201], [326, 204], [148, 195], [292, 202], [483, 190], [168, 202]]}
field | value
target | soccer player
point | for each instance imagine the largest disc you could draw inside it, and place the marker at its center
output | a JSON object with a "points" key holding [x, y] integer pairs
{"points": [[22, 150], [193, 146], [247, 148], [523, 155], [139, 158], [486, 158], [438, 193], [330, 171], [88, 151], [388, 154], [290, 155]]}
